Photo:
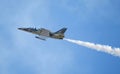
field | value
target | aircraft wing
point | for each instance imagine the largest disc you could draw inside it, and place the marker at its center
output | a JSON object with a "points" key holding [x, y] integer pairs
{"points": [[43, 32], [40, 37]]}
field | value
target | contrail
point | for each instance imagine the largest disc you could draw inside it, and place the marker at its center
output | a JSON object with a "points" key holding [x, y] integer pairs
{"points": [[98, 47]]}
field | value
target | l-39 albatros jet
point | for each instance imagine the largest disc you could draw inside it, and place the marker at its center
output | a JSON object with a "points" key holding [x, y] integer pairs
{"points": [[44, 33]]}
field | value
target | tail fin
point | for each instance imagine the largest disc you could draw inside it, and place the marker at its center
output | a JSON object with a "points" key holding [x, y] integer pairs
{"points": [[62, 30]]}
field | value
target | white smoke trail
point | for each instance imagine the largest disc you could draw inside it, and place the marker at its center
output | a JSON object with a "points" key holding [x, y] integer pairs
{"points": [[98, 47]]}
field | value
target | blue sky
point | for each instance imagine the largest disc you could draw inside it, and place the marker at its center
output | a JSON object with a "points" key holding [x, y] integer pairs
{"points": [[95, 21]]}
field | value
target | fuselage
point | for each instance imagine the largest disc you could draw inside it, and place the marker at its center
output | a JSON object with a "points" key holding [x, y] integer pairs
{"points": [[43, 32], [57, 36]]}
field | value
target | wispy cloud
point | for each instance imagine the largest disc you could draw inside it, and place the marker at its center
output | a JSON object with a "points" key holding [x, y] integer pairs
{"points": [[19, 52]]}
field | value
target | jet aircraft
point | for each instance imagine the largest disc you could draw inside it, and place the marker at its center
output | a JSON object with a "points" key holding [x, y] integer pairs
{"points": [[44, 33]]}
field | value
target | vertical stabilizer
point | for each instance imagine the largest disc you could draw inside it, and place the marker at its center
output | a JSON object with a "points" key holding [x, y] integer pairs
{"points": [[61, 31]]}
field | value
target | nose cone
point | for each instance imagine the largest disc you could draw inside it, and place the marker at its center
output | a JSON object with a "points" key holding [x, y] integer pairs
{"points": [[24, 29], [19, 28]]}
